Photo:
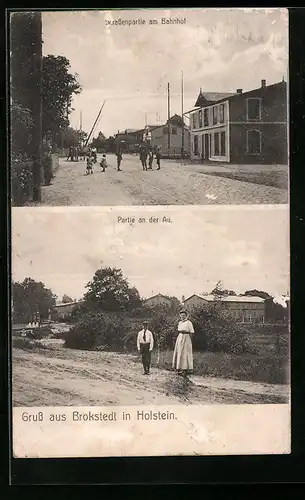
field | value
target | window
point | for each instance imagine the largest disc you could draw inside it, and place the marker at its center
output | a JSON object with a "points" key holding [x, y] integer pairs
{"points": [[196, 144], [222, 113], [215, 113], [200, 118], [222, 144], [253, 109], [174, 131], [194, 120], [216, 144], [206, 117], [165, 130], [254, 145]]}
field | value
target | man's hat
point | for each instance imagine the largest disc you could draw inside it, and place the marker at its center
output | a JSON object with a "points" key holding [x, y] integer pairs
{"points": [[183, 311]]}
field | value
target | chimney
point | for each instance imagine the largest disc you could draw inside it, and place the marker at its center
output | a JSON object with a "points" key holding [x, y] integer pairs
{"points": [[263, 83], [239, 91]]}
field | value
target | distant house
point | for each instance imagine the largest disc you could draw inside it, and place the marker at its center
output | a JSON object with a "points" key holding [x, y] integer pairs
{"points": [[246, 309], [64, 310], [128, 140], [158, 299], [242, 127], [168, 137]]}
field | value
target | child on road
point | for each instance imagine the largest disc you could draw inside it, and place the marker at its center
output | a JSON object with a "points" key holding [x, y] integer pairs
{"points": [[103, 163]]}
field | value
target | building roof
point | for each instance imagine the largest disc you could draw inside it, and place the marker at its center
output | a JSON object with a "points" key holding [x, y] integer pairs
{"points": [[254, 91], [210, 97], [63, 304], [229, 298], [158, 295], [205, 102]]}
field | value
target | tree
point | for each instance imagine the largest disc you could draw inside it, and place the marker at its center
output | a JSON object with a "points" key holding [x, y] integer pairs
{"points": [[59, 86], [100, 142], [66, 299], [110, 291], [21, 126], [110, 145], [274, 312], [29, 298], [25, 38], [258, 293], [69, 137], [219, 291]]}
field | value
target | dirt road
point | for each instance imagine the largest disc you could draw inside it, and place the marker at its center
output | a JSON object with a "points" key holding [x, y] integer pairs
{"points": [[175, 184], [63, 377]]}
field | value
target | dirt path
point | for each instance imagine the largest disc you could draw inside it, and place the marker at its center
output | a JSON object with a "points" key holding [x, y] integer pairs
{"points": [[174, 184], [65, 377]]}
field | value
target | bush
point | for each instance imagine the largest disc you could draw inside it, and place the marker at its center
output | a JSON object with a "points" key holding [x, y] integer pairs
{"points": [[27, 344], [22, 183], [99, 330], [39, 333], [216, 330]]}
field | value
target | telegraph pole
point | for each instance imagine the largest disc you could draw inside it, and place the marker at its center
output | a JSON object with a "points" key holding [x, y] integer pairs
{"points": [[36, 105], [168, 120], [182, 136]]}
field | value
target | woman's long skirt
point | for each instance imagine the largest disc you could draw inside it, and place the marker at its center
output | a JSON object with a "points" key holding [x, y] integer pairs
{"points": [[183, 353]]}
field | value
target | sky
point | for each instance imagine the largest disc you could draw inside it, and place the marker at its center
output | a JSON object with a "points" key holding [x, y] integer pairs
{"points": [[245, 247], [218, 50]]}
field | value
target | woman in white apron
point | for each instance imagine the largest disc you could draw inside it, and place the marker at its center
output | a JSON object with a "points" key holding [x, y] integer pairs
{"points": [[183, 352]]}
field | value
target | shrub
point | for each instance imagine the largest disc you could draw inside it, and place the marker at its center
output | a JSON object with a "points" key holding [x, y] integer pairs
{"points": [[216, 330], [27, 344], [98, 330], [22, 183]]}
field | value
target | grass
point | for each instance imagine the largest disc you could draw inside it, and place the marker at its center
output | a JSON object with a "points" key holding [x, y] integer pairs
{"points": [[250, 367], [268, 178]]}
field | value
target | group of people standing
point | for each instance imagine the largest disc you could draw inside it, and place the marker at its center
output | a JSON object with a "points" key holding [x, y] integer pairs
{"points": [[183, 352], [149, 155], [74, 153]]}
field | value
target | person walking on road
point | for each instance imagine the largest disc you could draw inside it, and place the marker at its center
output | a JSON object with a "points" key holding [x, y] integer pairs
{"points": [[119, 160], [70, 154], [143, 158], [94, 154], [150, 158], [183, 352], [145, 344], [158, 158]]}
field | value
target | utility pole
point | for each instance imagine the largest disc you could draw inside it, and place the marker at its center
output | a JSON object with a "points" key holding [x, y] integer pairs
{"points": [[36, 105], [81, 121], [168, 120], [182, 116]]}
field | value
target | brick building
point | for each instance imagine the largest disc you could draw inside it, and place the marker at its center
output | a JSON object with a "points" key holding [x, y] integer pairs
{"points": [[246, 309], [244, 127]]}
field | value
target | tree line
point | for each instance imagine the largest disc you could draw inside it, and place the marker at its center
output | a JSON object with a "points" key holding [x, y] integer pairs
{"points": [[109, 291]]}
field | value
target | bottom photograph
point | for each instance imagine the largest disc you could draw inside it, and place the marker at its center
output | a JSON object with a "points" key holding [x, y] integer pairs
{"points": [[157, 317]]}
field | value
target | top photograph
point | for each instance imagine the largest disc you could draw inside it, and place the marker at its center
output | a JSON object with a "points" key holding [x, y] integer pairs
{"points": [[148, 107]]}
